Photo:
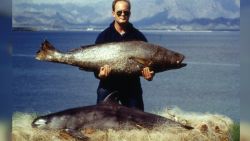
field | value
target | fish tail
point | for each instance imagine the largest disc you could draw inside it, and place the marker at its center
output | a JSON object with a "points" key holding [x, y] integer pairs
{"points": [[46, 51]]}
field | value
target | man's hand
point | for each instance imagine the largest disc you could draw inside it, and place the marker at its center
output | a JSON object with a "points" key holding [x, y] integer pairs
{"points": [[147, 74], [104, 71]]}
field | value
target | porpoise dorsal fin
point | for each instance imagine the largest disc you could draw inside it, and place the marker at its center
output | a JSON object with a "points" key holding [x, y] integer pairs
{"points": [[111, 98], [144, 62]]}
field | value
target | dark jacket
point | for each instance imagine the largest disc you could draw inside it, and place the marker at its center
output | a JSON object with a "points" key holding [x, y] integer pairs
{"points": [[130, 85], [111, 35]]}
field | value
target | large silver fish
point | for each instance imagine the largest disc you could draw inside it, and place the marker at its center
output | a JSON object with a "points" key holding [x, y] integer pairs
{"points": [[123, 57]]}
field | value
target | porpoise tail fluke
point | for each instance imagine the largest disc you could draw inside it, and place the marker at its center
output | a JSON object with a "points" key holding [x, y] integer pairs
{"points": [[46, 51]]}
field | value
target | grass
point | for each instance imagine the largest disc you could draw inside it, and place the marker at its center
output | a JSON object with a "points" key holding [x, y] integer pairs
{"points": [[235, 132]]}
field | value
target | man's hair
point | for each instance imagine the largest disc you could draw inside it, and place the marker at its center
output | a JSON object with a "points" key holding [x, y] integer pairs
{"points": [[115, 1]]}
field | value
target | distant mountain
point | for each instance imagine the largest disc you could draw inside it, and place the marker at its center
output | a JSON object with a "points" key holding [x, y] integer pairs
{"points": [[157, 14], [161, 21]]}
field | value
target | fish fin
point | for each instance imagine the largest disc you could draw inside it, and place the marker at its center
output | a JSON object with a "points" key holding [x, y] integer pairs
{"points": [[144, 62], [111, 98], [46, 50], [82, 47], [85, 69], [77, 134]]}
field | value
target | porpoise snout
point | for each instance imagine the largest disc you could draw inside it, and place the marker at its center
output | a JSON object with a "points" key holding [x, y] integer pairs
{"points": [[40, 122]]}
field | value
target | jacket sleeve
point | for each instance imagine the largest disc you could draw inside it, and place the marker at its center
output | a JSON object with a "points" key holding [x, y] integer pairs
{"points": [[96, 75], [98, 39], [141, 37]]}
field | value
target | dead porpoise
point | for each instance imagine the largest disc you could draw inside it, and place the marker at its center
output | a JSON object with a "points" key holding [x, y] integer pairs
{"points": [[128, 57], [102, 116], [105, 115]]}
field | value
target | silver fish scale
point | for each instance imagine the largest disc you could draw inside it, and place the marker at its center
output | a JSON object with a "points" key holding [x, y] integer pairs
{"points": [[117, 55]]}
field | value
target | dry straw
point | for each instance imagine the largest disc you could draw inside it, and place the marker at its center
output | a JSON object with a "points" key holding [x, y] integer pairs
{"points": [[208, 127]]}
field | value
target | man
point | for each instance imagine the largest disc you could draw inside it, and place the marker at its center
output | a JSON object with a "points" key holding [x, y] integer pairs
{"points": [[128, 88]]}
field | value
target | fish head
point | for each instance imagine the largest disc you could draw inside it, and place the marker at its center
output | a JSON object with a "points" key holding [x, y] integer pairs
{"points": [[172, 60], [177, 61], [175, 58]]}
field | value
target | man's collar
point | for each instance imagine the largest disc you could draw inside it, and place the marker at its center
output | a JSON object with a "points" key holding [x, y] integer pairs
{"points": [[129, 26]]}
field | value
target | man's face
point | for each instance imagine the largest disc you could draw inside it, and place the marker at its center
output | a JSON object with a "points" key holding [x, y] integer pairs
{"points": [[122, 12]]}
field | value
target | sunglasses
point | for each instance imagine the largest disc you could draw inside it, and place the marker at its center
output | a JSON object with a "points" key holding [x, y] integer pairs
{"points": [[126, 13]]}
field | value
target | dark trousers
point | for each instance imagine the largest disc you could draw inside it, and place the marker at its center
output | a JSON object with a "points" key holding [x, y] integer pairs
{"points": [[127, 98]]}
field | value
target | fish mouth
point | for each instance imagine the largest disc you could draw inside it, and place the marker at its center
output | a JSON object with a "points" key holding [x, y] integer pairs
{"points": [[181, 65], [179, 62]]}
